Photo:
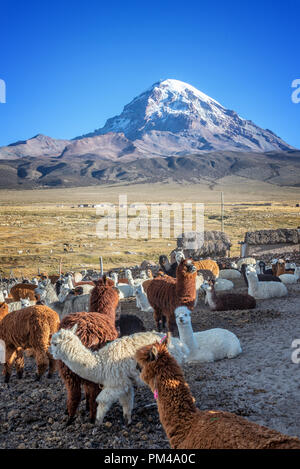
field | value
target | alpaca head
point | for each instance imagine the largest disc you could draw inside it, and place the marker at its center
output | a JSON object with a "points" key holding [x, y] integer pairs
{"points": [[179, 256], [164, 262], [128, 274], [182, 316], [149, 273], [60, 339], [151, 359], [24, 302], [3, 310], [106, 281], [114, 277], [186, 269], [143, 275]]}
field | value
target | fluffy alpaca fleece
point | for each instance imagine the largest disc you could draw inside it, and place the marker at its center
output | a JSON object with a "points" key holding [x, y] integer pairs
{"points": [[264, 290], [29, 328], [291, 278], [227, 301], [230, 274], [164, 296], [23, 290], [205, 346], [207, 264], [94, 330], [186, 426], [113, 366]]}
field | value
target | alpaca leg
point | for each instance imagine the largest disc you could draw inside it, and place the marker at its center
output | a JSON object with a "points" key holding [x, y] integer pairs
{"points": [[91, 392], [105, 400], [20, 363], [10, 355], [73, 385], [127, 400], [172, 327], [157, 318], [52, 365], [41, 361]]}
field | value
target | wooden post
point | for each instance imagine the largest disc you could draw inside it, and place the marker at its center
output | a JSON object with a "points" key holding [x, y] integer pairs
{"points": [[101, 266], [222, 211], [59, 268]]}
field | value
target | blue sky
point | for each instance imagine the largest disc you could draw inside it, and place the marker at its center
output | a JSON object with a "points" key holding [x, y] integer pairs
{"points": [[70, 65]]}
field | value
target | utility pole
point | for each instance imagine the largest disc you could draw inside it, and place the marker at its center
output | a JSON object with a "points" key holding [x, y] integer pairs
{"points": [[222, 211], [101, 266]]}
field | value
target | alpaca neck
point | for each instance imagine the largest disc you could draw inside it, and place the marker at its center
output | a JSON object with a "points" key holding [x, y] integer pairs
{"points": [[253, 283], [175, 406], [187, 337], [80, 359], [211, 298], [185, 288]]}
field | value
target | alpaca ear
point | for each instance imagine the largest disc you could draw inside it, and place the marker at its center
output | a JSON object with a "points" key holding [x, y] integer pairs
{"points": [[74, 328], [166, 340], [104, 279], [153, 354]]}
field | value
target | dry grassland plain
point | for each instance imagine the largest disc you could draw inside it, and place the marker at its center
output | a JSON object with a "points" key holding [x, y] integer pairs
{"points": [[35, 224]]}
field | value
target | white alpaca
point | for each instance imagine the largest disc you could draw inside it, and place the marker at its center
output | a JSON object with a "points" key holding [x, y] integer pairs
{"points": [[205, 346], [290, 278], [230, 274], [137, 281], [113, 366], [141, 300], [264, 290], [245, 260], [125, 291]]}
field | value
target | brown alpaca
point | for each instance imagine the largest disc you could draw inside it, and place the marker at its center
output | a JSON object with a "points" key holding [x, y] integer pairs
{"points": [[23, 290], [228, 301], [95, 329], [207, 264], [280, 268], [164, 295], [188, 427], [29, 328], [3, 310]]}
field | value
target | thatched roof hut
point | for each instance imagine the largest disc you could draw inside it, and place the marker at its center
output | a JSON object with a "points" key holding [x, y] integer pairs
{"points": [[207, 244], [271, 241]]}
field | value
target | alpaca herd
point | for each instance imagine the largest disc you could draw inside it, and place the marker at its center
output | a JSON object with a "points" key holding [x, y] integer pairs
{"points": [[107, 353]]}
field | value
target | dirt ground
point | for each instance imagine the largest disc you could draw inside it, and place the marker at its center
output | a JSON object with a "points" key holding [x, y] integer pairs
{"points": [[262, 384]]}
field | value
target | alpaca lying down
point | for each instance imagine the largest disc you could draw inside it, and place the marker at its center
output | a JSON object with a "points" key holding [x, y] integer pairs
{"points": [[205, 346], [113, 366]]}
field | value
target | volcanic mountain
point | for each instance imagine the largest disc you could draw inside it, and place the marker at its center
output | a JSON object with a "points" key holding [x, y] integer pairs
{"points": [[173, 117]]}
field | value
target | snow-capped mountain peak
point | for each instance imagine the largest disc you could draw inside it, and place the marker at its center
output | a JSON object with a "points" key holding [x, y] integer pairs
{"points": [[173, 117]]}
